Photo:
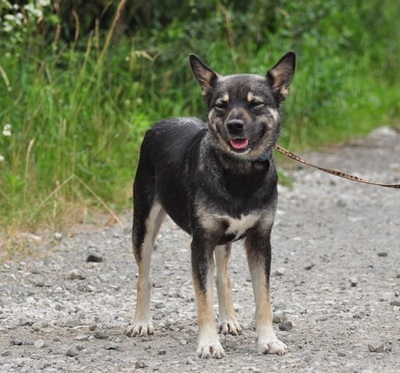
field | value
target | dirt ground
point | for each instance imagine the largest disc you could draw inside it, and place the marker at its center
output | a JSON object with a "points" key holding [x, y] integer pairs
{"points": [[336, 281]]}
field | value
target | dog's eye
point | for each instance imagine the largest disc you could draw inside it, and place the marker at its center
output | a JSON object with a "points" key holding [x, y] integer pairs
{"points": [[221, 105], [256, 104]]}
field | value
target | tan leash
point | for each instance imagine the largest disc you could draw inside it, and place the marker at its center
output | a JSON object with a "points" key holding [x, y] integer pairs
{"points": [[333, 172]]}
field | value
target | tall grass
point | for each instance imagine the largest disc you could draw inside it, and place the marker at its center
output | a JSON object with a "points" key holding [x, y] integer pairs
{"points": [[78, 111]]}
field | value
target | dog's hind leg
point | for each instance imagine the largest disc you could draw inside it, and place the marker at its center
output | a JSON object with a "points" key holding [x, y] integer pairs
{"points": [[258, 250], [142, 323], [227, 322], [147, 218]]}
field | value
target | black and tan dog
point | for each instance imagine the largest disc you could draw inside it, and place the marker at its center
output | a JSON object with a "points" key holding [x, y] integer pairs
{"points": [[217, 181]]}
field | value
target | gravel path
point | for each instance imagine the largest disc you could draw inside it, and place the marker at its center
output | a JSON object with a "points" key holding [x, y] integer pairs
{"points": [[335, 285]]}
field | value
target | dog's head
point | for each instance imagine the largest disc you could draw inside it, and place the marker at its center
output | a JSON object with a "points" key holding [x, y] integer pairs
{"points": [[244, 109]]}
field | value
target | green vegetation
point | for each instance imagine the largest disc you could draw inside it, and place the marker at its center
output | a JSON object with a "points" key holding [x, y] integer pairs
{"points": [[79, 85]]}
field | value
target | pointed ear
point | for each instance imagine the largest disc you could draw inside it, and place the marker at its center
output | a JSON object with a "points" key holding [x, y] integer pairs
{"points": [[203, 74], [280, 76]]}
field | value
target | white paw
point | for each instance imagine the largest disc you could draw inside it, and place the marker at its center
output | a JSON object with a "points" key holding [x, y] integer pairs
{"points": [[272, 347], [139, 329], [229, 327], [210, 350]]}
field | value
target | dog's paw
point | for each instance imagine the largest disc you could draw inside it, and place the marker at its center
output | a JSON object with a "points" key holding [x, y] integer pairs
{"points": [[229, 327], [210, 350], [139, 329], [272, 347]]}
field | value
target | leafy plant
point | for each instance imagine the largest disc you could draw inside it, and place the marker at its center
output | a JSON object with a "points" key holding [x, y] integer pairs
{"points": [[81, 82]]}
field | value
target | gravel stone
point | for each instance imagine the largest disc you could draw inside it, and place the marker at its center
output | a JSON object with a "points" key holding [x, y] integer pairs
{"points": [[72, 352], [100, 335], [286, 326], [76, 274], [39, 343], [385, 347], [94, 258], [279, 317], [16, 342]]}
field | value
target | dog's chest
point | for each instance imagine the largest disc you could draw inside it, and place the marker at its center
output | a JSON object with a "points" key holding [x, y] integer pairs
{"points": [[230, 229], [237, 227]]}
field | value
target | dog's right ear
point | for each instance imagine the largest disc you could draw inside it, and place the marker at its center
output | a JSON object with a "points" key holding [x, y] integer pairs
{"points": [[204, 75], [281, 75]]}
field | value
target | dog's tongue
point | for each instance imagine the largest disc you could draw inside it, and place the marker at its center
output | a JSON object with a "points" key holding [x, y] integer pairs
{"points": [[240, 143]]}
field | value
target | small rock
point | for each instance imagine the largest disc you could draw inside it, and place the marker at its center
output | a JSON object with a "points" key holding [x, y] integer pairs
{"points": [[86, 288], [36, 326], [26, 322], [382, 254], [353, 282], [280, 271], [94, 258], [100, 335], [286, 326], [72, 352], [162, 352], [140, 364], [58, 236], [309, 267], [111, 346], [76, 274], [6, 353], [16, 342], [38, 282], [82, 338], [159, 305], [395, 303], [59, 307], [385, 347], [252, 369], [279, 317], [39, 343], [383, 132], [92, 327]]}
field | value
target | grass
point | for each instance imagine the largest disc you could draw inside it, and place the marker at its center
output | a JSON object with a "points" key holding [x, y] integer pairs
{"points": [[78, 111]]}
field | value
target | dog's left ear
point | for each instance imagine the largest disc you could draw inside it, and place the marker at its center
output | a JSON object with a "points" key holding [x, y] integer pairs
{"points": [[204, 75], [281, 75]]}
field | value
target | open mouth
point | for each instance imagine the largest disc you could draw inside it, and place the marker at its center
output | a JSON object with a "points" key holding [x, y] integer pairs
{"points": [[240, 144]]}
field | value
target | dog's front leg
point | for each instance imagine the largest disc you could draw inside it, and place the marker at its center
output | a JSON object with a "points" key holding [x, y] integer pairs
{"points": [[258, 250], [227, 323], [203, 276]]}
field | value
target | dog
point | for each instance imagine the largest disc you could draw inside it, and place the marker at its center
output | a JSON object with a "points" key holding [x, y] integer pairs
{"points": [[218, 182]]}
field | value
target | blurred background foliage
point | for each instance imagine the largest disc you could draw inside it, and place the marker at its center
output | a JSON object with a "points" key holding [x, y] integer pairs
{"points": [[81, 81]]}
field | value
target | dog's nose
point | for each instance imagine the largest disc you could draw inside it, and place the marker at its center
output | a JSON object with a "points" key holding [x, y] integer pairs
{"points": [[235, 126]]}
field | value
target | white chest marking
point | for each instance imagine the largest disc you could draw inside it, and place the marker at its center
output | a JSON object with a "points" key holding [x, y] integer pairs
{"points": [[239, 226]]}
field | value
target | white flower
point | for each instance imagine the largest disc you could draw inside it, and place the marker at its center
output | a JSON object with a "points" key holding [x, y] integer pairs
{"points": [[44, 3], [1, 158], [30, 8], [7, 130]]}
